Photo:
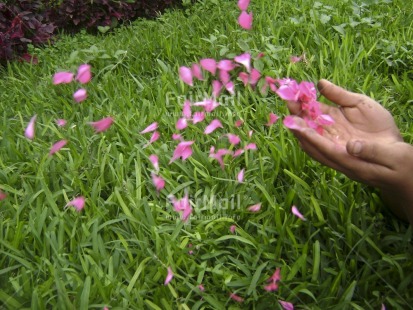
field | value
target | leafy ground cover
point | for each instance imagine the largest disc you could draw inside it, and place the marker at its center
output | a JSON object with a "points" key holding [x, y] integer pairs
{"points": [[350, 253]]}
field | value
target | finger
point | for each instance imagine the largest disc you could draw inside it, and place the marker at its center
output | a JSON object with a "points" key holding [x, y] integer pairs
{"points": [[339, 95], [294, 107], [378, 153]]}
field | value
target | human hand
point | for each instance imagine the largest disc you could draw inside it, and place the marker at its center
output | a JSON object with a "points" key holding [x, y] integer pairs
{"points": [[364, 143]]}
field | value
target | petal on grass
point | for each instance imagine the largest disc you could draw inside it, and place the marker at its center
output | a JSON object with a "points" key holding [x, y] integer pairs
{"points": [[196, 72], [176, 136], [30, 131], [102, 124], [155, 136], [183, 150], [80, 95], [240, 176], [182, 123], [216, 88], [83, 74], [238, 123], [169, 276], [186, 110], [78, 203], [286, 305], [226, 65], [185, 75], [158, 181], [2, 196], [297, 213], [57, 146], [201, 287], [273, 118], [151, 127], [61, 122], [233, 139], [243, 4], [290, 123], [62, 78], [232, 229], [155, 161], [213, 126], [230, 87], [209, 64], [255, 208], [245, 20], [235, 297], [198, 117], [245, 60]]}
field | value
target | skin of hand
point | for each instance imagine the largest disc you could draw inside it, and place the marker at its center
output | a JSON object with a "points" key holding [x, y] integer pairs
{"points": [[364, 143]]}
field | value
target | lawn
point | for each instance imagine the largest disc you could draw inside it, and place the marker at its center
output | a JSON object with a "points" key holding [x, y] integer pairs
{"points": [[349, 253]]}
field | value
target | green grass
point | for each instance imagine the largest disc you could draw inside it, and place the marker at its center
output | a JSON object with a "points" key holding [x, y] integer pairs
{"points": [[351, 253]]}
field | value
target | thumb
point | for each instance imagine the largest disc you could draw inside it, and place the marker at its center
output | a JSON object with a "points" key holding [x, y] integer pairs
{"points": [[378, 153]]}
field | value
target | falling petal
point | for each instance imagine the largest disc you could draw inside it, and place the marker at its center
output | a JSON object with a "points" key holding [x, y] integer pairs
{"points": [[212, 126], [57, 146], [182, 123], [297, 213], [62, 78], [233, 139], [198, 117], [78, 203], [243, 4], [216, 88], [235, 297], [196, 72], [80, 95], [83, 74], [209, 64], [186, 75], [61, 122], [290, 123], [150, 128], [255, 208], [155, 161], [2, 196], [158, 181], [245, 20], [273, 119], [29, 132], [245, 60], [286, 305], [102, 125], [240, 176], [169, 276], [186, 111], [232, 228]]}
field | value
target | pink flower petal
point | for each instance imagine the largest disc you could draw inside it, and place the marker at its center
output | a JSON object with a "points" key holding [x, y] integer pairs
{"points": [[250, 133], [233, 139], [62, 78], [183, 205], [198, 117], [218, 155], [245, 20], [61, 122], [286, 305], [226, 65], [276, 277], [245, 60], [273, 286], [290, 123], [212, 126], [240, 176], [255, 208], [176, 136], [239, 123], [244, 77], [150, 128], [155, 136], [57, 146], [80, 95], [30, 131], [185, 75], [158, 181], [235, 297], [155, 161], [169, 276], [182, 123], [208, 104], [201, 287], [2, 196], [273, 118], [186, 111], [297, 213], [183, 150], [102, 125], [196, 72], [254, 76], [78, 203], [209, 64], [232, 228], [230, 88], [216, 88], [325, 119], [250, 146], [243, 4], [294, 59], [237, 153], [288, 90], [224, 76], [83, 74]]}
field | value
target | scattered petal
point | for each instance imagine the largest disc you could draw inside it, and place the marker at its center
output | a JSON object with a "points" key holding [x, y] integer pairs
{"points": [[2, 196], [158, 181], [196, 72], [235, 297], [294, 59], [80, 95], [286, 305], [61, 122], [224, 76], [297, 213], [169, 276], [243, 4], [183, 205], [57, 146], [155, 161], [186, 111], [198, 117], [78, 203], [216, 88], [218, 155], [102, 125], [212, 126], [155, 136], [245, 20], [29, 132], [201, 287], [230, 88], [245, 60], [176, 136], [232, 228], [244, 77], [62, 78], [233, 139], [182, 123], [250, 146], [209, 64], [226, 65], [185, 75], [183, 150], [83, 74], [255, 208], [250, 133], [150, 128], [240, 176], [273, 119], [254, 76], [239, 123], [290, 123], [273, 286], [208, 104], [237, 153]]}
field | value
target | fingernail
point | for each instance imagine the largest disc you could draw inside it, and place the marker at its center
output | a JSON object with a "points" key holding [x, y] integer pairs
{"points": [[357, 146]]}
